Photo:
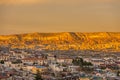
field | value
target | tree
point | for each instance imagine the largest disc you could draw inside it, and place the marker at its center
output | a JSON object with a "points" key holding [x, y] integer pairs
{"points": [[21, 69], [2, 61], [118, 73], [17, 61], [83, 64], [38, 76]]}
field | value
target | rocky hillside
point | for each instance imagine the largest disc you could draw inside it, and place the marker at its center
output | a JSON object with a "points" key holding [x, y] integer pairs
{"points": [[64, 41]]}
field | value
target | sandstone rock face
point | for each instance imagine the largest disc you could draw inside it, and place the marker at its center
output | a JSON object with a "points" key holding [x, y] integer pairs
{"points": [[64, 40]]}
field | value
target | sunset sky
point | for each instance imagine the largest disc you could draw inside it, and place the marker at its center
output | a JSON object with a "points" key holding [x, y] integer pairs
{"points": [[25, 16]]}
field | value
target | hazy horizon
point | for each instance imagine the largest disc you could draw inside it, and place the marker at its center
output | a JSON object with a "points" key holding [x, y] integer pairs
{"points": [[29, 16]]}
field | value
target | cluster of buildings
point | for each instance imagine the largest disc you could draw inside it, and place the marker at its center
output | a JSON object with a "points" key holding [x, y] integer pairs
{"points": [[23, 65]]}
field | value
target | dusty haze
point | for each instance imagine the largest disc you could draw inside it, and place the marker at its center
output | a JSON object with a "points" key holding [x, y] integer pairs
{"points": [[25, 16]]}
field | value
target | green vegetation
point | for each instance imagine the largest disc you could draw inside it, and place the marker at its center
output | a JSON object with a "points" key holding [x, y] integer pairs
{"points": [[118, 73], [38, 76], [85, 66], [2, 61], [17, 61], [81, 62]]}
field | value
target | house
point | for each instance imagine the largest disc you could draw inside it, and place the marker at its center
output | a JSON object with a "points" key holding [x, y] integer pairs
{"points": [[73, 68], [8, 64], [13, 65], [28, 67], [51, 57], [64, 60], [40, 61], [118, 63], [41, 69], [84, 79], [4, 57], [56, 67], [96, 78], [97, 62], [5, 76]]}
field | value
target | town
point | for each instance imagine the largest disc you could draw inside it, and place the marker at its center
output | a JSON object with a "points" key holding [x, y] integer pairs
{"points": [[28, 64]]}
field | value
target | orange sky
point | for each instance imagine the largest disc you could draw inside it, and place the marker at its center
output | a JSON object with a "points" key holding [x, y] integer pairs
{"points": [[24, 16]]}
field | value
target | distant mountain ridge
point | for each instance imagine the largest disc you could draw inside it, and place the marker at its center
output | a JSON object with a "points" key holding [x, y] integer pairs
{"points": [[64, 40]]}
